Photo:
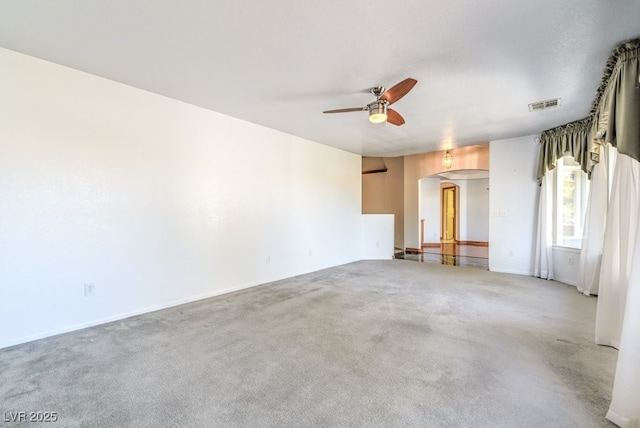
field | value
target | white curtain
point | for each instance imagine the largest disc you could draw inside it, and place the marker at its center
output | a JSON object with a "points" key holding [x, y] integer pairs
{"points": [[617, 253], [625, 404], [618, 312], [543, 265], [595, 221]]}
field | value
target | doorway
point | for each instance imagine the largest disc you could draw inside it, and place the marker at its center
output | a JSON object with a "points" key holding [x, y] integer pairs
{"points": [[449, 207]]}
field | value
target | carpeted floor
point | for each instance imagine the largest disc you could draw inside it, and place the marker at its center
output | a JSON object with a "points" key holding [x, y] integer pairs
{"points": [[371, 344]]}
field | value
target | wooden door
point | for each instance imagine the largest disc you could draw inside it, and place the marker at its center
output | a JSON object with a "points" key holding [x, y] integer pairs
{"points": [[449, 214]]}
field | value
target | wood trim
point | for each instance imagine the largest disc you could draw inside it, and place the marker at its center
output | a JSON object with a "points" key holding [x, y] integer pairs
{"points": [[410, 250], [375, 171], [475, 243]]}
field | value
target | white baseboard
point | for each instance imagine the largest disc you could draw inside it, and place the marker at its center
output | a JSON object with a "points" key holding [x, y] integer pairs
{"points": [[514, 272], [566, 281]]}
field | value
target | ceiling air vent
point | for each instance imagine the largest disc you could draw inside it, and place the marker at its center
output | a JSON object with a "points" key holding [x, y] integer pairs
{"points": [[541, 105]]}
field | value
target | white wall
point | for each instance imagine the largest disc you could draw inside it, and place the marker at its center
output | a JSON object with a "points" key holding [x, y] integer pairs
{"points": [[513, 204], [154, 201], [462, 207], [430, 208], [377, 236], [478, 210], [565, 264]]}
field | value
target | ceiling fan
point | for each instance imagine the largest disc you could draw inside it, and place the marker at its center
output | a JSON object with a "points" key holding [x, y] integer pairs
{"points": [[379, 110]]}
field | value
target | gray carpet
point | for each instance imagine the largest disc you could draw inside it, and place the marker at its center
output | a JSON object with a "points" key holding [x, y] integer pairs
{"points": [[373, 343]]}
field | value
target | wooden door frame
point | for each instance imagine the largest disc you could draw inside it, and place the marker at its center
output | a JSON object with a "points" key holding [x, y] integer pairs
{"points": [[456, 218]]}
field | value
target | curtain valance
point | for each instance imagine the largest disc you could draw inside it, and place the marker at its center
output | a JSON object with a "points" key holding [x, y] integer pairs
{"points": [[614, 117], [619, 100], [572, 138]]}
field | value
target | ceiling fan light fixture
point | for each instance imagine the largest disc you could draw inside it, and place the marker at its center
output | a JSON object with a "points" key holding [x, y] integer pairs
{"points": [[378, 112]]}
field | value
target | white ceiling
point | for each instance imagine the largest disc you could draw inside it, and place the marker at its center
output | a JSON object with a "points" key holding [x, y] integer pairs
{"points": [[281, 63]]}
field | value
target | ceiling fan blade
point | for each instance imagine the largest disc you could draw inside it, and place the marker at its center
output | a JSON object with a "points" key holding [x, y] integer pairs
{"points": [[394, 118], [399, 90], [345, 110]]}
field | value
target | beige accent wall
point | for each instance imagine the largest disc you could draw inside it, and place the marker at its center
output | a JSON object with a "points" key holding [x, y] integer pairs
{"points": [[424, 165], [383, 192]]}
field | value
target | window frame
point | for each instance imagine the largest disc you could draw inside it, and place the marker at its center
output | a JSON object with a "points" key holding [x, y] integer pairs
{"points": [[582, 191]]}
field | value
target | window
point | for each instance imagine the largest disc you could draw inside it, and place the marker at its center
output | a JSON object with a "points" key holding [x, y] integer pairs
{"points": [[572, 190]]}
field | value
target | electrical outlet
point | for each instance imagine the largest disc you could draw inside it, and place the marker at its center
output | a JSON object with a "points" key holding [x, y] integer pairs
{"points": [[268, 259], [89, 289], [570, 261], [510, 253]]}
